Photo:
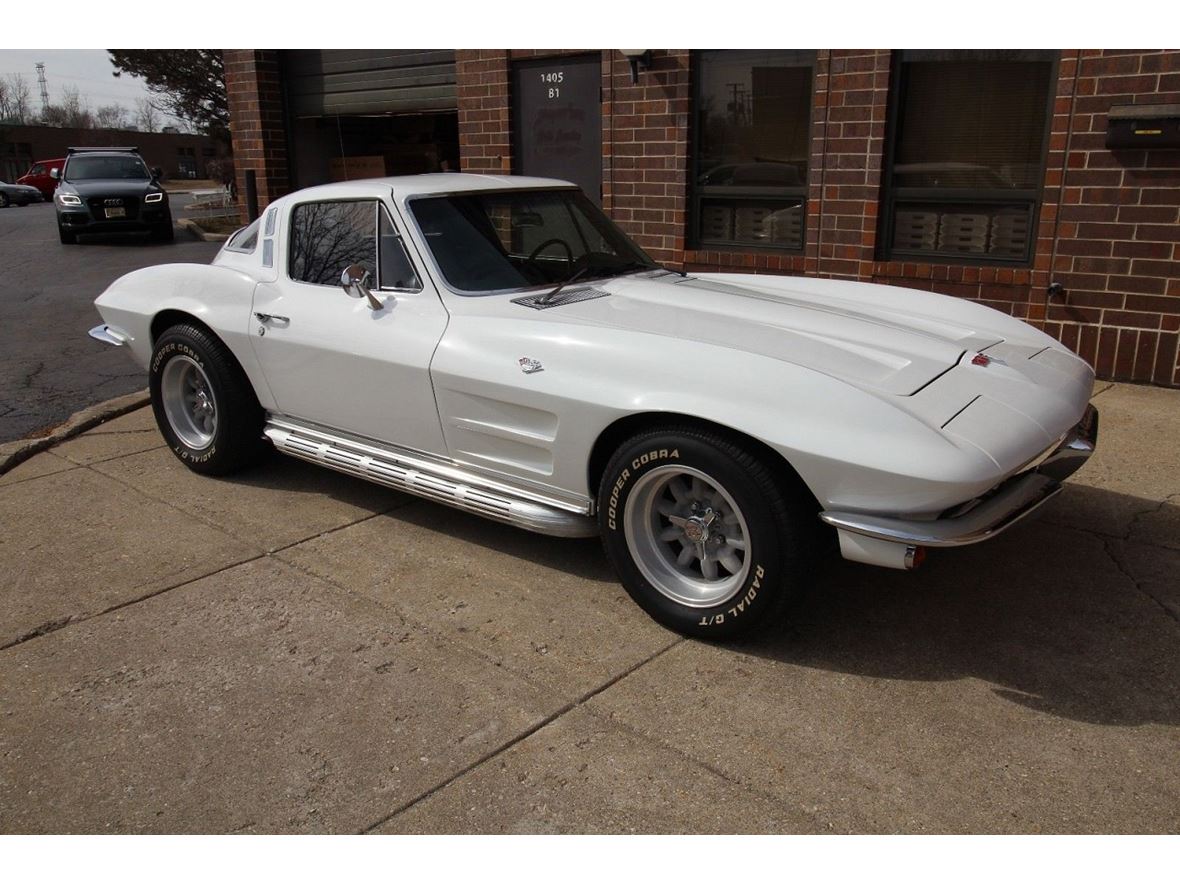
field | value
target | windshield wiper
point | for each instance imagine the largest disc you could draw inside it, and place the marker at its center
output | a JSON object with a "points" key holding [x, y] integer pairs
{"points": [[549, 296]]}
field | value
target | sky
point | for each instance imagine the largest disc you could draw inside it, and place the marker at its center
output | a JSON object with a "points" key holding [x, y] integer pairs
{"points": [[90, 70]]}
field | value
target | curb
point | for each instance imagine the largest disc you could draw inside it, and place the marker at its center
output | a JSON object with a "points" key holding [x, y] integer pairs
{"points": [[195, 229], [13, 453]]}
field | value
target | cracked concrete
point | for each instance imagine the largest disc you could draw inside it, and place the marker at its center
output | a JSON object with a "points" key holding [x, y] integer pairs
{"points": [[292, 650]]}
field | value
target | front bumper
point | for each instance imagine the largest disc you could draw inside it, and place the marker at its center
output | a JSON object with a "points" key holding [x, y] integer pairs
{"points": [[1005, 505]]}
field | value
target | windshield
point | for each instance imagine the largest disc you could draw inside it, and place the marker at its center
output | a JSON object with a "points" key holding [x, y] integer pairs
{"points": [[497, 240], [85, 168]]}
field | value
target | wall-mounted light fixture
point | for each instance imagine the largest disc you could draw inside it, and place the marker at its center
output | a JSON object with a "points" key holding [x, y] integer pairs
{"points": [[640, 61]]}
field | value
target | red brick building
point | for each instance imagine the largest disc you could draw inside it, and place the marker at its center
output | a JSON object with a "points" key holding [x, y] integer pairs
{"points": [[179, 155], [979, 174]]}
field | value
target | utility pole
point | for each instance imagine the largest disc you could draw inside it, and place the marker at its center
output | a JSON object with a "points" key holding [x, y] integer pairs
{"points": [[44, 87]]}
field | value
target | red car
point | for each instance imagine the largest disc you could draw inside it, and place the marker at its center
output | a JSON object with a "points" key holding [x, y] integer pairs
{"points": [[38, 176]]}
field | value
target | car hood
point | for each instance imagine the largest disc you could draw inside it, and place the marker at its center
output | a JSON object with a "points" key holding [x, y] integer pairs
{"points": [[108, 187], [894, 341]]}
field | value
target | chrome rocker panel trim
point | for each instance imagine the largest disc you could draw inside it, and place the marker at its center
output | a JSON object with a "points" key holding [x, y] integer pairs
{"points": [[1013, 500], [416, 475]]}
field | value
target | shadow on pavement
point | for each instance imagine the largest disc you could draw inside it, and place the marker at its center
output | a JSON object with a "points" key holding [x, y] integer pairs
{"points": [[1043, 612]]}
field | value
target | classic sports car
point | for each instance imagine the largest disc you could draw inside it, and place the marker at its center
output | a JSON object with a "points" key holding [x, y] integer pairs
{"points": [[500, 346]]}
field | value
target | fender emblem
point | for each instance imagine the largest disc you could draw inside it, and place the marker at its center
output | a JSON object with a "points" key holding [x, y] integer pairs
{"points": [[530, 366], [980, 360]]}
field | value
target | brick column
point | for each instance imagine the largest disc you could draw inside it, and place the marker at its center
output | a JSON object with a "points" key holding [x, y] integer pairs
{"points": [[256, 122], [485, 129], [645, 135], [854, 144]]}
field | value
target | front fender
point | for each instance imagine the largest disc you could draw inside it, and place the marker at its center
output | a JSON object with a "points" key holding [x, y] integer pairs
{"points": [[853, 449], [219, 297]]}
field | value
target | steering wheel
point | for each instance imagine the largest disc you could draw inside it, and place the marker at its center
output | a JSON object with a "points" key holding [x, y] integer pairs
{"points": [[569, 253]]}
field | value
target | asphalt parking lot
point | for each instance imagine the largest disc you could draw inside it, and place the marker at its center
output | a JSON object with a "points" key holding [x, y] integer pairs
{"points": [[292, 650], [49, 367]]}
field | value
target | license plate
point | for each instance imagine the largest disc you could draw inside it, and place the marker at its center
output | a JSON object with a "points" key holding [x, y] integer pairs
{"points": [[116, 213]]}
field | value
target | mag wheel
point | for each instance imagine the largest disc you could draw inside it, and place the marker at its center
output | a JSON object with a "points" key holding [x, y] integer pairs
{"points": [[203, 402], [706, 536]]}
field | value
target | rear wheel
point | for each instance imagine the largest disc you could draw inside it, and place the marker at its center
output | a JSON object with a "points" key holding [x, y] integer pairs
{"points": [[705, 536], [204, 404], [3, 200]]}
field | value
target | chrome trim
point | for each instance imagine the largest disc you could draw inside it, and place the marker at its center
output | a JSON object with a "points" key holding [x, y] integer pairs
{"points": [[404, 471], [1075, 450], [1011, 501], [911, 553], [1018, 498], [109, 335]]}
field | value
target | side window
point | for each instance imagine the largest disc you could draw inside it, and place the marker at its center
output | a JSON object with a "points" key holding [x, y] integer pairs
{"points": [[328, 237], [244, 240], [37, 170], [397, 272]]}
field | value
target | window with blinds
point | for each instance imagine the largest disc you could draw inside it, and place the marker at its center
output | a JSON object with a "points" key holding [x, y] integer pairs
{"points": [[967, 154], [753, 124]]}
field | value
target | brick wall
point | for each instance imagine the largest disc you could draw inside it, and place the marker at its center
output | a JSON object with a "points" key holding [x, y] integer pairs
{"points": [[485, 126], [645, 137], [257, 123], [1118, 227], [1108, 227]]}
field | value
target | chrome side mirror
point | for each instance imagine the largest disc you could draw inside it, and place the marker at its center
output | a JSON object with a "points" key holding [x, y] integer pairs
{"points": [[55, 174], [355, 282]]}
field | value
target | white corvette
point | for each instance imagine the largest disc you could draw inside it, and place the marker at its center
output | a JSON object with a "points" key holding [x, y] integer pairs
{"points": [[500, 346]]}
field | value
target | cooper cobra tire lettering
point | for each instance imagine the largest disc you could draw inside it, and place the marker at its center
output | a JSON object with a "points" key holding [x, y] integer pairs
{"points": [[777, 515], [647, 458]]}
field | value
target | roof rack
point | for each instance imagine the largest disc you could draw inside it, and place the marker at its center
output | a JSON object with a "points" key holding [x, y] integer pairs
{"points": [[120, 150]]}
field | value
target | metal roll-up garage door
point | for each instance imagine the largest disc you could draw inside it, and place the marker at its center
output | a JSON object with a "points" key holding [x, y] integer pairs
{"points": [[369, 81]]}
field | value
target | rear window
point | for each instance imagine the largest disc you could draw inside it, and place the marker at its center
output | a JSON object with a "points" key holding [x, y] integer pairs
{"points": [[244, 240]]}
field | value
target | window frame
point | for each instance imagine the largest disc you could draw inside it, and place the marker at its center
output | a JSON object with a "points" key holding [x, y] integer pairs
{"points": [[751, 194], [401, 240], [890, 195]]}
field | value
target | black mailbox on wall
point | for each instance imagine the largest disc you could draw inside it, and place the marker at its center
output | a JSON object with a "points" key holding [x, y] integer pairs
{"points": [[1143, 126]]}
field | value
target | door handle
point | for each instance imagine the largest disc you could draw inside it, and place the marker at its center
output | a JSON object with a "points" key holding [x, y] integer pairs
{"points": [[267, 317]]}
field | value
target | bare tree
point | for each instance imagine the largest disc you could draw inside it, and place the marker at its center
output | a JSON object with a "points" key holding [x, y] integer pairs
{"points": [[147, 118], [71, 112], [111, 116], [76, 109], [14, 105]]}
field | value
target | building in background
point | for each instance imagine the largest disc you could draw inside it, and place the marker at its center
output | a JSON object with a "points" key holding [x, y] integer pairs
{"points": [[984, 174], [178, 155]]}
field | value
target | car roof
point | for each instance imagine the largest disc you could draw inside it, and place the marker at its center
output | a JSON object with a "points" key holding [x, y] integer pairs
{"points": [[404, 186], [100, 153]]}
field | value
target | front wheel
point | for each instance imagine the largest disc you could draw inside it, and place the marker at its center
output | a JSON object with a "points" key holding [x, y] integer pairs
{"points": [[66, 236], [3, 200], [707, 537], [204, 404]]}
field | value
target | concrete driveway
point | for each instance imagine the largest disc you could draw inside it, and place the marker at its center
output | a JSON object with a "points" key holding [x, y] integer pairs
{"points": [[295, 651], [49, 368]]}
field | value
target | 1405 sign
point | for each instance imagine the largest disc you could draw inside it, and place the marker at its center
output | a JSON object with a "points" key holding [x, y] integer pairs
{"points": [[552, 79]]}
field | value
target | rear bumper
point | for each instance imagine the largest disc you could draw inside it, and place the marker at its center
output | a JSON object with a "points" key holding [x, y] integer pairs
{"points": [[1004, 506]]}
